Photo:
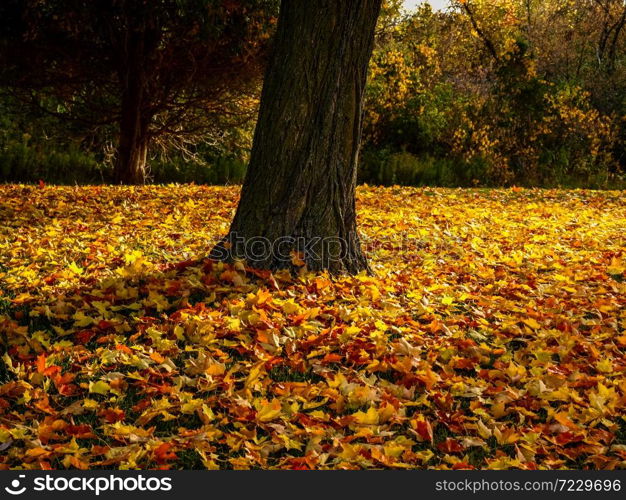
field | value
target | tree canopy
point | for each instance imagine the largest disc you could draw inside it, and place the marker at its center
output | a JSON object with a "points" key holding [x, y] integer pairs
{"points": [[166, 70]]}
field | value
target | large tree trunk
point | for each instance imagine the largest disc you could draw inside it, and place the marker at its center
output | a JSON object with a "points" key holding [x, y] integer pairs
{"points": [[298, 197]]}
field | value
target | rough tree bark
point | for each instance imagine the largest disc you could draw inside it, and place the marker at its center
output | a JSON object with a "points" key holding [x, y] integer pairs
{"points": [[132, 151], [299, 191]]}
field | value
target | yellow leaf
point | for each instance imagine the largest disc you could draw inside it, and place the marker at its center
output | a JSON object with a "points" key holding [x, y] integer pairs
{"points": [[75, 268], [253, 376], [605, 366], [99, 387], [532, 323], [215, 369], [367, 418], [179, 332], [290, 307], [268, 410], [498, 410], [90, 404], [483, 430]]}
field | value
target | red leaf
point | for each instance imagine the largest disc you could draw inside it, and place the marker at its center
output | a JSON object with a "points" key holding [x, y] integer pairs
{"points": [[163, 454], [450, 446]]}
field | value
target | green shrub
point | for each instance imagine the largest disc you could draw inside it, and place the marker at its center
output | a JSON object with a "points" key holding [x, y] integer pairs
{"points": [[216, 170], [403, 168], [22, 161]]}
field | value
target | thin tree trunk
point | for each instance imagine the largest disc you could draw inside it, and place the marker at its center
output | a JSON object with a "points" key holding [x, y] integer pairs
{"points": [[298, 198], [132, 152], [619, 27]]}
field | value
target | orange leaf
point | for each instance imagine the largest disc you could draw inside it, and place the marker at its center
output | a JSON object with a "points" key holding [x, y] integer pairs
{"points": [[41, 363], [163, 454], [155, 356]]}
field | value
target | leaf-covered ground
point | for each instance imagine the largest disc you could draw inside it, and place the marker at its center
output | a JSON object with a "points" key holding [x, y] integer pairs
{"points": [[493, 335]]}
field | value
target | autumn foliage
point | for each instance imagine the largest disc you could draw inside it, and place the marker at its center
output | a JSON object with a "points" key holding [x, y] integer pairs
{"points": [[491, 335], [499, 93]]}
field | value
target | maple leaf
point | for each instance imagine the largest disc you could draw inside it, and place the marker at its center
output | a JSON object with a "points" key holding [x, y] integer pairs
{"points": [[163, 453], [370, 417], [268, 411], [508, 338], [99, 387]]}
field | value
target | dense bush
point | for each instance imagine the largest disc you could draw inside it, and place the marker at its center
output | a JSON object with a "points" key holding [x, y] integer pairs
{"points": [[22, 161], [483, 94]]}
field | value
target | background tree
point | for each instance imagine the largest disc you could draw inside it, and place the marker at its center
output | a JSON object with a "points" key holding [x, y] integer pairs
{"points": [[163, 70], [499, 92], [300, 185]]}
